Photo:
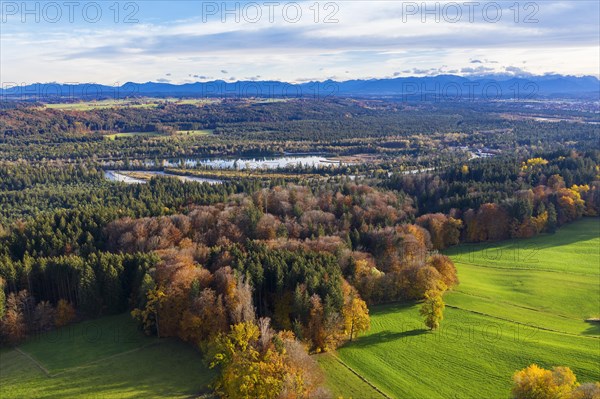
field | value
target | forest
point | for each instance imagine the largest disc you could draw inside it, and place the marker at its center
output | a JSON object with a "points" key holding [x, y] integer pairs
{"points": [[409, 133], [258, 273]]}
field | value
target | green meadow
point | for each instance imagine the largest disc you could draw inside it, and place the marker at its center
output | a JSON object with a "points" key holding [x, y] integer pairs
{"points": [[551, 281], [114, 136], [101, 104], [204, 132], [180, 133], [518, 302], [104, 358], [130, 103], [344, 382]]}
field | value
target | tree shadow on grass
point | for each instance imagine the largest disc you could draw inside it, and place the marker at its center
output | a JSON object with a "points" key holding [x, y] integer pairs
{"points": [[593, 327], [386, 336]]}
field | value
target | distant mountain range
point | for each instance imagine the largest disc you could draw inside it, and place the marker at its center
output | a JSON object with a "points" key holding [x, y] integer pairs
{"points": [[434, 88]]}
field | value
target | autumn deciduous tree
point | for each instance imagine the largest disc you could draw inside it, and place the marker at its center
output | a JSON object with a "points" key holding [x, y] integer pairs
{"points": [[13, 327], [325, 328], [2, 299], [65, 313], [355, 313], [316, 325], [356, 317], [148, 316], [433, 308], [241, 365], [414, 281], [490, 222], [534, 382], [589, 390], [44, 317], [210, 310], [591, 195], [444, 230], [257, 363], [556, 182], [367, 279], [570, 205], [446, 268], [266, 228]]}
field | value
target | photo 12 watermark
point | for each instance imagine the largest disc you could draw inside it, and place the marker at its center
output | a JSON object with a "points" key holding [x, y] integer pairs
{"points": [[467, 333], [68, 92], [469, 11], [54, 12], [468, 90], [71, 92], [522, 255], [270, 12]]}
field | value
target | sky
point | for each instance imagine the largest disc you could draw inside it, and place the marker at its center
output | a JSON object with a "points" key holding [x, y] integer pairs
{"points": [[113, 42]]}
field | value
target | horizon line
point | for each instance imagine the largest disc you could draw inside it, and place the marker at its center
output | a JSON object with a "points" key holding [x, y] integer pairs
{"points": [[302, 81]]}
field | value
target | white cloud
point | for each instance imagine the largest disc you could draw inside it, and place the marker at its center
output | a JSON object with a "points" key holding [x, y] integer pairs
{"points": [[372, 39]]}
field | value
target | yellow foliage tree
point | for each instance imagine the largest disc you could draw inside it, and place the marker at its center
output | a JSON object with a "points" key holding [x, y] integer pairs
{"points": [[570, 205], [244, 374], [149, 315], [533, 162], [433, 308], [356, 316], [535, 382], [540, 221], [256, 363], [584, 188]]}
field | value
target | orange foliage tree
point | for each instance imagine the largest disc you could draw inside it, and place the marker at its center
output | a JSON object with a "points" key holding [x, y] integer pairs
{"points": [[65, 313]]}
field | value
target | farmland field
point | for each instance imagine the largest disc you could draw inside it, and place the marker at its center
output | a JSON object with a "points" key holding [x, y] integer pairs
{"points": [[519, 302], [101, 104], [204, 132], [343, 382], [114, 136], [134, 103], [104, 358], [184, 133], [551, 281]]}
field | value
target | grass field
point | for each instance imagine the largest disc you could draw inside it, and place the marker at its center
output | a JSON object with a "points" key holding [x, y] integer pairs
{"points": [[101, 104], [551, 281], [104, 358], [146, 102], [180, 133], [114, 136], [519, 302], [204, 132], [342, 382]]}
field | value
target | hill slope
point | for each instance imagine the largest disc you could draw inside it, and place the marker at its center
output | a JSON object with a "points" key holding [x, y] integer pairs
{"points": [[104, 358], [505, 315]]}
